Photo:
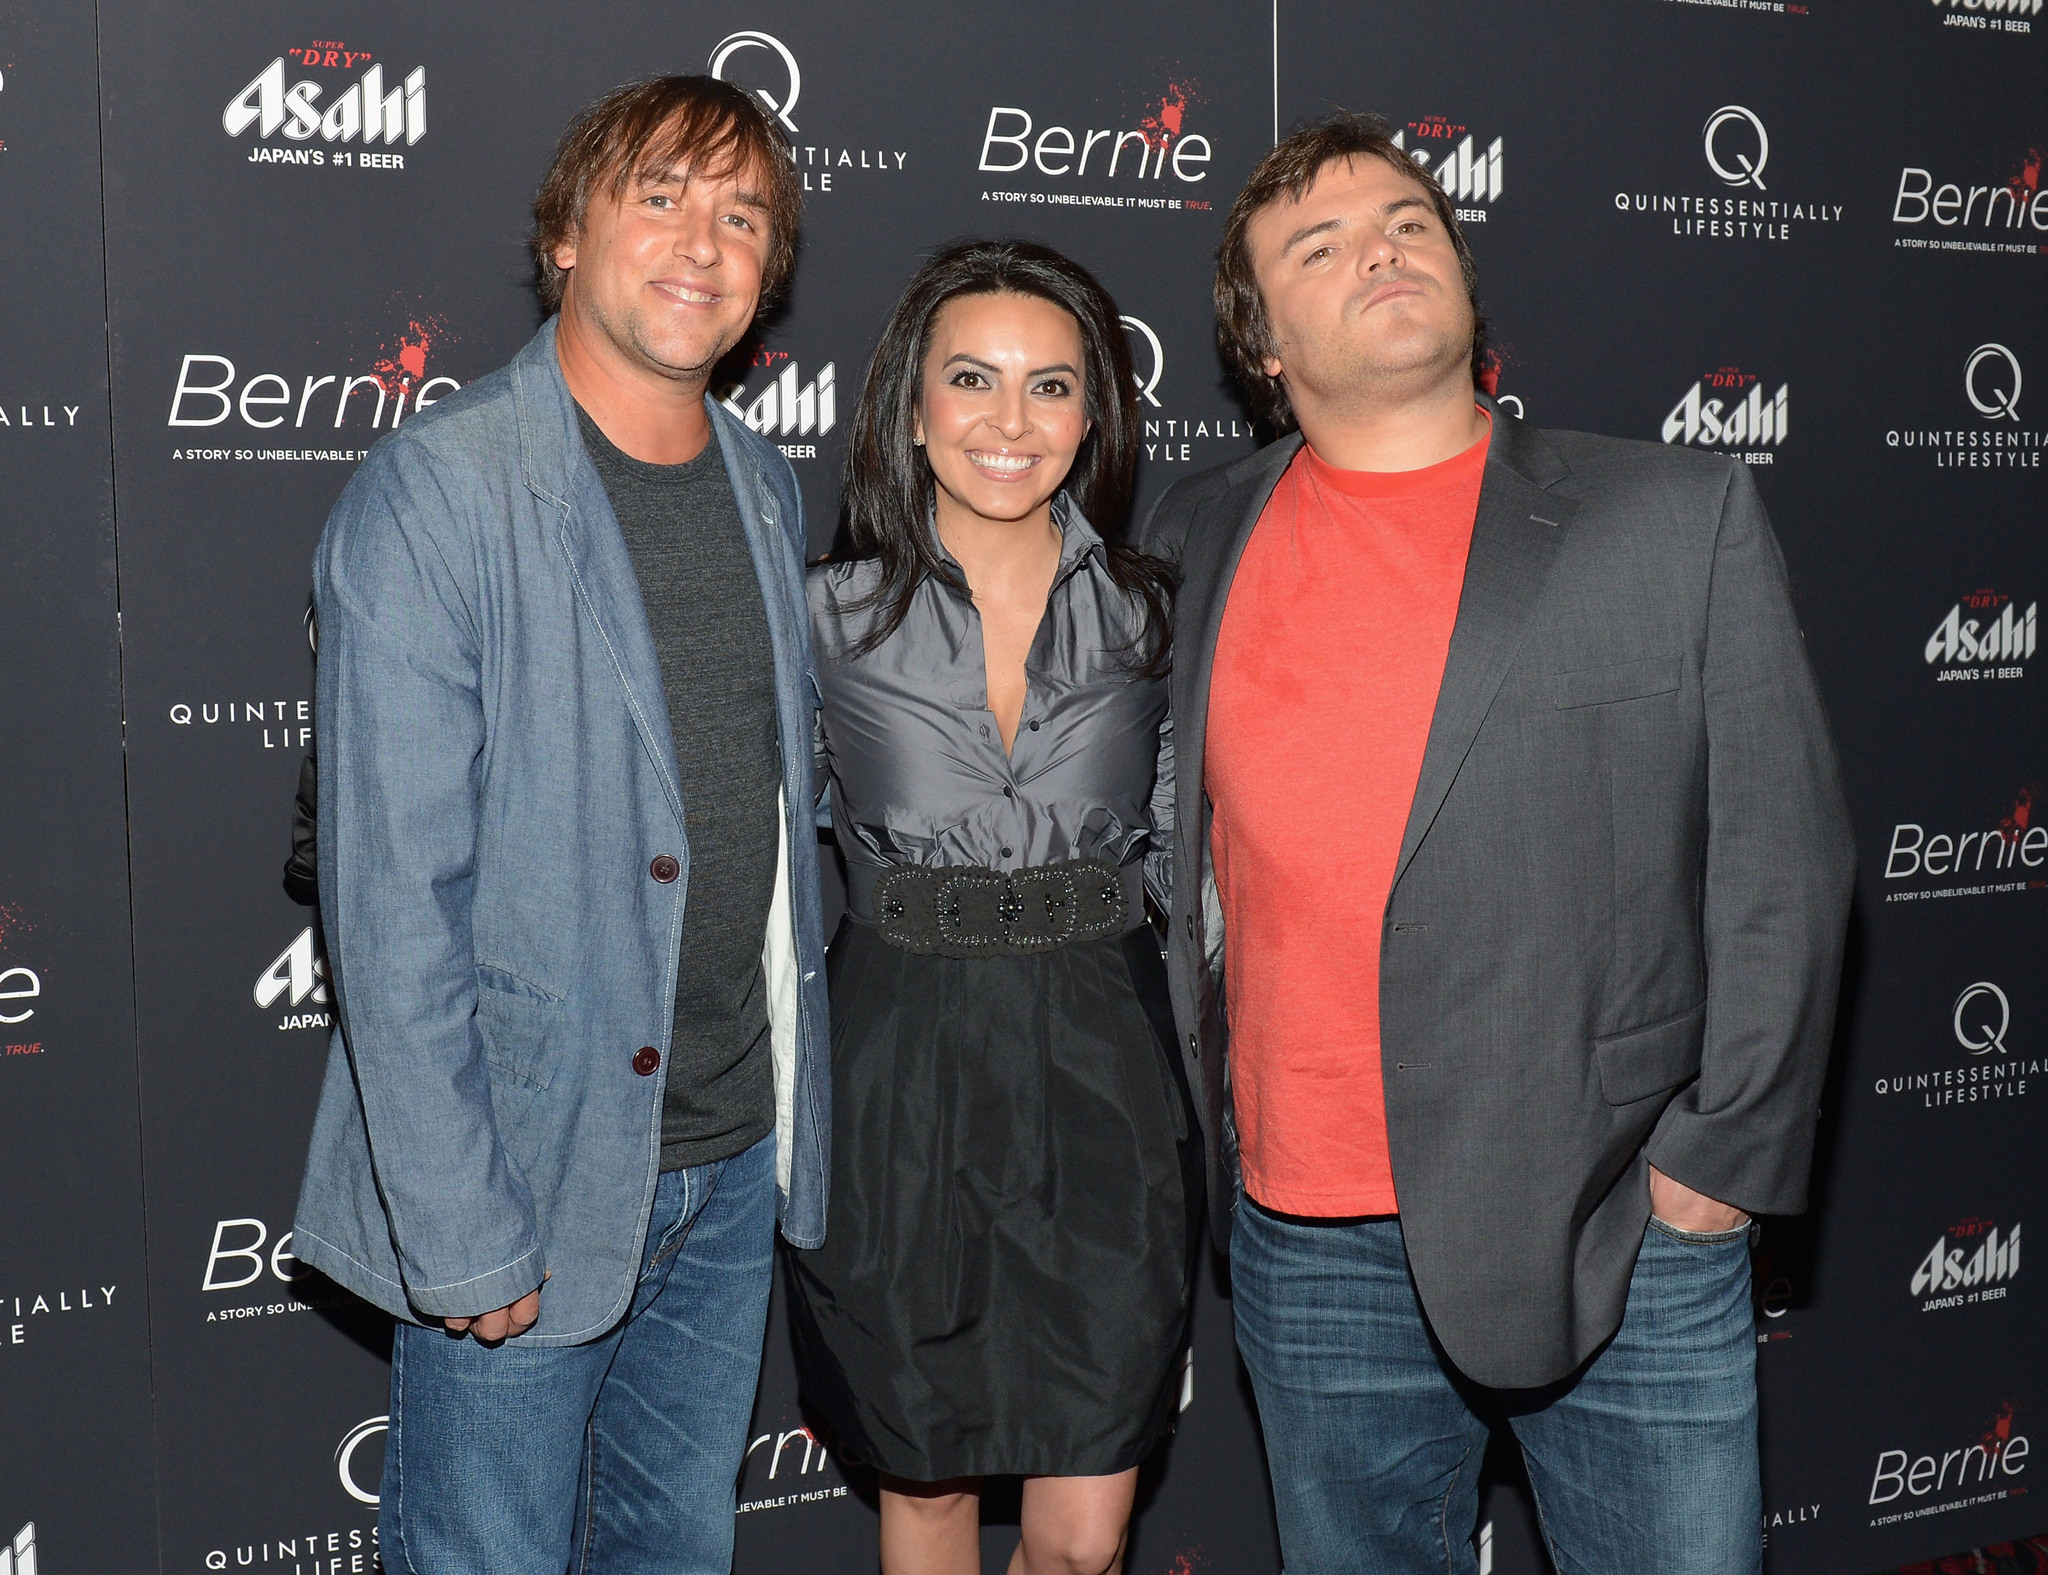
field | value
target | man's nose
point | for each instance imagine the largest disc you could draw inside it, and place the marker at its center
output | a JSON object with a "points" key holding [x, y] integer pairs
{"points": [[698, 238]]}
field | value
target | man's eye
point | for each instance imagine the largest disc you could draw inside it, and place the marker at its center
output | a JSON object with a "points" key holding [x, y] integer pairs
{"points": [[1411, 227], [660, 200], [1317, 255], [739, 221]]}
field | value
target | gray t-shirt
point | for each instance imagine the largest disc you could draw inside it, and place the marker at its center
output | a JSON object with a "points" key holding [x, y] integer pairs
{"points": [[689, 549]]}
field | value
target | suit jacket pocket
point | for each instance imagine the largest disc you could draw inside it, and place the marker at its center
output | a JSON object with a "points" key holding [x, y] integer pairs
{"points": [[518, 1018], [1654, 675], [1648, 1060]]}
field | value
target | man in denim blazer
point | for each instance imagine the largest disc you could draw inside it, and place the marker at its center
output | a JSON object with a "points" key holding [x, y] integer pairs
{"points": [[504, 860]]}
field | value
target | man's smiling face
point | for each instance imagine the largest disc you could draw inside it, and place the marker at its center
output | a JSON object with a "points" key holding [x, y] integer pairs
{"points": [[1361, 284], [670, 270]]}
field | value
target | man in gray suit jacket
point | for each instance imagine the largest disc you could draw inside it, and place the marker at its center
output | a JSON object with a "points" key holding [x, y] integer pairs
{"points": [[1511, 876]]}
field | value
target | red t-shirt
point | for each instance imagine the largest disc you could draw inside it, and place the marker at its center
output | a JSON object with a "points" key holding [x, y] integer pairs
{"points": [[1326, 677]]}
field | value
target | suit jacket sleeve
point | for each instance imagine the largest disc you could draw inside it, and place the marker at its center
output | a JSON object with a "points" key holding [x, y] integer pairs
{"points": [[401, 731], [1779, 864]]}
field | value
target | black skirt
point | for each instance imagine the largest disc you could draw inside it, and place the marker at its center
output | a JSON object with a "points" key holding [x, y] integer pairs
{"points": [[1016, 1191]]}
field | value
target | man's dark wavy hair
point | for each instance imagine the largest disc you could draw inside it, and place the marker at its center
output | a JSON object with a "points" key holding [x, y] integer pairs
{"points": [[888, 488], [1285, 174]]}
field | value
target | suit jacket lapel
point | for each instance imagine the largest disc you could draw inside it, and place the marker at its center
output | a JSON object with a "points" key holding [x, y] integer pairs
{"points": [[1515, 541]]}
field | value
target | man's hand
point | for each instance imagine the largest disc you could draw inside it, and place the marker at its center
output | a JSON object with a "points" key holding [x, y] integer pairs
{"points": [[492, 1327], [1678, 1206]]}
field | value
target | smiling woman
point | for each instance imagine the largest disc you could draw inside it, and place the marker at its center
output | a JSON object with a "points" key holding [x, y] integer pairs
{"points": [[1015, 1187]]}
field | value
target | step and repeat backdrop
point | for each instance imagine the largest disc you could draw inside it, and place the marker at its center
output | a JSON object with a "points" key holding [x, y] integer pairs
{"points": [[248, 238]]}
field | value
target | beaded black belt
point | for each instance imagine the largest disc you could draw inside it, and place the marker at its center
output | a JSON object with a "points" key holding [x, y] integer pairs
{"points": [[968, 912]]}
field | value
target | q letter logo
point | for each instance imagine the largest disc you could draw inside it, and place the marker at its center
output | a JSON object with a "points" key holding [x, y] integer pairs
{"points": [[733, 43], [1750, 169], [1146, 382], [345, 1454], [2001, 403], [1984, 1028]]}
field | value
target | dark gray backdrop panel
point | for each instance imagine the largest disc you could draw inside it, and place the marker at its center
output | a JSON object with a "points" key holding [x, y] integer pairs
{"points": [[1619, 278], [74, 1381]]}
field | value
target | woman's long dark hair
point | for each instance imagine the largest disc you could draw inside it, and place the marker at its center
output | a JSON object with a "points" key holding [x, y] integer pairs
{"points": [[888, 490]]}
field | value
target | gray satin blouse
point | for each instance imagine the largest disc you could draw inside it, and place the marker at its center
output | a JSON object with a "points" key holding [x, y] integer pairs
{"points": [[915, 760]]}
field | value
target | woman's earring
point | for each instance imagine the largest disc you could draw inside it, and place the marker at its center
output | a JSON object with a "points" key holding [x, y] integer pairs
{"points": [[917, 442]]}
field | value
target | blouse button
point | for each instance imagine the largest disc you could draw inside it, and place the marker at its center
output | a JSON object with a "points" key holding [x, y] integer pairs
{"points": [[1009, 792], [1034, 727], [1006, 853]]}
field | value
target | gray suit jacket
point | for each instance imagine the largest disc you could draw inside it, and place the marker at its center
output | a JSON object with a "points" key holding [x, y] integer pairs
{"points": [[1616, 923]]}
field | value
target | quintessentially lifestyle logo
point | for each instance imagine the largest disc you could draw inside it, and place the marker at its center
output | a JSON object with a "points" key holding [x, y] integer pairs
{"points": [[22, 1311], [1968, 1264], [1989, 1069], [1974, 1471], [1471, 175], [1173, 434], [784, 406], [1735, 151], [1728, 409], [35, 416], [361, 1480], [297, 976], [1992, 382], [1151, 160], [767, 67], [366, 110], [1749, 147], [1985, 635], [2008, 216], [1981, 1017], [18, 1557], [212, 392]]}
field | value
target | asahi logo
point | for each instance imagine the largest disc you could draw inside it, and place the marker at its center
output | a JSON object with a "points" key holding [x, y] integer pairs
{"points": [[19, 1556], [768, 67], [298, 977], [1470, 173], [1986, 635], [1735, 150], [787, 405], [1946, 215], [1989, 16], [367, 109], [1729, 409], [1975, 1471], [1171, 435], [1968, 1263], [1991, 384], [354, 1475]]}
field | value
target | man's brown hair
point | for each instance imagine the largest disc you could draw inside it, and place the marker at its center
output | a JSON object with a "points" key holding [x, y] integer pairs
{"points": [[1286, 173], [708, 128]]}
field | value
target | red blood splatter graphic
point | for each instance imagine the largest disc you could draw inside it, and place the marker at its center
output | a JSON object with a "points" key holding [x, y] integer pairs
{"points": [[2029, 178], [2001, 1427], [2014, 825], [1185, 1563], [408, 362], [1164, 126], [14, 923]]}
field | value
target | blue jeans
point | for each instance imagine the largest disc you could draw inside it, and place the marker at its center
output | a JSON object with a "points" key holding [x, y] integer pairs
{"points": [[619, 1457], [1645, 1460]]}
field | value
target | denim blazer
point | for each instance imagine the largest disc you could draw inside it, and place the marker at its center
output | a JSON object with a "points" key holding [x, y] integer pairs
{"points": [[497, 783]]}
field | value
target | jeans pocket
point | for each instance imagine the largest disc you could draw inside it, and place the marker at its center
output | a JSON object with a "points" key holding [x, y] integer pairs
{"points": [[1705, 1238]]}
